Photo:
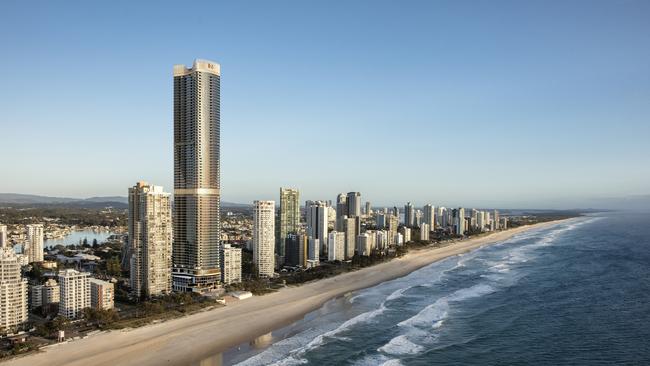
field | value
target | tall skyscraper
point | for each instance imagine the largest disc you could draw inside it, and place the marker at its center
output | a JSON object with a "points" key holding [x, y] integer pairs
{"points": [[429, 216], [317, 224], [341, 210], [264, 237], [368, 209], [3, 236], [409, 215], [13, 291], [352, 231], [150, 240], [354, 204], [297, 249], [74, 287], [34, 245], [289, 217], [460, 221], [197, 125]]}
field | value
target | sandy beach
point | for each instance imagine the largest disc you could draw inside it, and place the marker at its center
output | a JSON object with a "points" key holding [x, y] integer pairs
{"points": [[193, 338]]}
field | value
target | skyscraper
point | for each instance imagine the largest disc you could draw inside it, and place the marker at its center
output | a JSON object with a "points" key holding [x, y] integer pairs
{"points": [[197, 124], [429, 216], [460, 221], [354, 204], [352, 231], [264, 237], [13, 291], [341, 210], [34, 245], [409, 215], [317, 224], [289, 217], [150, 240], [368, 208], [3, 236]]}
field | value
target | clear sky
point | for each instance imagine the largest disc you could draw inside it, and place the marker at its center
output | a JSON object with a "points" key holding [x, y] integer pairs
{"points": [[485, 103]]}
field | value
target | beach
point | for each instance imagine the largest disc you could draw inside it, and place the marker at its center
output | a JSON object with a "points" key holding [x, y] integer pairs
{"points": [[191, 339]]}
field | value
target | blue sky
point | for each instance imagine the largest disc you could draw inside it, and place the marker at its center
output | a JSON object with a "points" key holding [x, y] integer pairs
{"points": [[485, 103]]}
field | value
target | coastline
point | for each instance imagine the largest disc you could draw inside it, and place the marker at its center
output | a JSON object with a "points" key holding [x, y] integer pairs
{"points": [[193, 338]]}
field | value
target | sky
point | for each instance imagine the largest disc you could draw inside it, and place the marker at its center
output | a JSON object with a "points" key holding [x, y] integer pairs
{"points": [[516, 104]]}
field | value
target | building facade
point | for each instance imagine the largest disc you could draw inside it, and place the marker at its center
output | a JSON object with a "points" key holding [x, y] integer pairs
{"points": [[13, 291], [102, 294], [264, 237], [74, 287], [336, 246], [289, 217], [231, 271], [34, 244], [317, 213], [150, 240], [197, 124]]}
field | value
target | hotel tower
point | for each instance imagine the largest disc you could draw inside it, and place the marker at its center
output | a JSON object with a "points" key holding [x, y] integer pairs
{"points": [[196, 248]]}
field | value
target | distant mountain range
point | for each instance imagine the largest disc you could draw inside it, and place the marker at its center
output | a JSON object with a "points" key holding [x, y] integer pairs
{"points": [[114, 201]]}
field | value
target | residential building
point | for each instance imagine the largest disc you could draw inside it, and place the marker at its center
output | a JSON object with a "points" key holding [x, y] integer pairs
{"points": [[289, 217], [313, 249], [429, 216], [102, 294], [352, 230], [364, 244], [196, 246], [34, 244], [297, 250], [341, 210], [3, 236], [368, 210], [150, 240], [13, 291], [424, 232], [336, 246], [74, 287], [231, 269], [264, 237], [409, 215], [354, 204], [317, 213]]}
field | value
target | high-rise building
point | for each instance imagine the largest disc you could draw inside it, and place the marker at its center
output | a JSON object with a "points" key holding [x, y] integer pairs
{"points": [[289, 217], [424, 232], [352, 230], [381, 220], [364, 244], [341, 210], [102, 294], [460, 221], [3, 236], [406, 234], [429, 216], [34, 244], [354, 204], [368, 211], [418, 218], [297, 249], [50, 292], [231, 271], [336, 246], [13, 291], [197, 124], [74, 287], [150, 240], [496, 221], [409, 215], [264, 237], [317, 224], [313, 249]]}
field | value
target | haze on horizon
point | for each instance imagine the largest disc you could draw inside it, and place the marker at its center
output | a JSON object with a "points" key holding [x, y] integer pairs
{"points": [[544, 104]]}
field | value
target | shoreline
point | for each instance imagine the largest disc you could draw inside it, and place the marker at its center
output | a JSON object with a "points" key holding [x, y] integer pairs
{"points": [[193, 338]]}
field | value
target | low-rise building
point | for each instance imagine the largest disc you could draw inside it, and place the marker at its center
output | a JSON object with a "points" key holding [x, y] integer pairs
{"points": [[102, 294]]}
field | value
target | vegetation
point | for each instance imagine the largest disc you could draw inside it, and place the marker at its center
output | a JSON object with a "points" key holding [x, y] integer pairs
{"points": [[17, 214]]}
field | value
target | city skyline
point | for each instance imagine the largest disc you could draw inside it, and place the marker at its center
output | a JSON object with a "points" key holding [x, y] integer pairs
{"points": [[558, 129]]}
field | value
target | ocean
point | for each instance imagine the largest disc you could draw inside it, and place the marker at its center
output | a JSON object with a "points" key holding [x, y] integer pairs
{"points": [[576, 293]]}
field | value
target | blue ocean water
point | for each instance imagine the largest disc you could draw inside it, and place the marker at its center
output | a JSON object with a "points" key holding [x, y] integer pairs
{"points": [[577, 293]]}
